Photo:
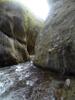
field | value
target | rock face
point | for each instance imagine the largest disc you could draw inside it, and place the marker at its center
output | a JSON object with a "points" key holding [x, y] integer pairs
{"points": [[31, 39], [34, 27], [13, 47], [55, 46]]}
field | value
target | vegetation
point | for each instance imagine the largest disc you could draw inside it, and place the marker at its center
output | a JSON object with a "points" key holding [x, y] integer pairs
{"points": [[33, 27]]}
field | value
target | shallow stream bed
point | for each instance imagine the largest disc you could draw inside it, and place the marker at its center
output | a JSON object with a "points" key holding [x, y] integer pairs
{"points": [[27, 82]]}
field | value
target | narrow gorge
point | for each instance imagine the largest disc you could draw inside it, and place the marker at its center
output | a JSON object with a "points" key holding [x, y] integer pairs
{"points": [[37, 57]]}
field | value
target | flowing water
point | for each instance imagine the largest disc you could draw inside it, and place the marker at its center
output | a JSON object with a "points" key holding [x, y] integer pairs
{"points": [[27, 82]]}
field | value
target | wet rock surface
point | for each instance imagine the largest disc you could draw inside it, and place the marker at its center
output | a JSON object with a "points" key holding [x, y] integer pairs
{"points": [[27, 82]]}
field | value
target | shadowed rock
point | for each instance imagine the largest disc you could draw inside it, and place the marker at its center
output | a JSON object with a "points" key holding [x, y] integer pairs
{"points": [[55, 46], [13, 48]]}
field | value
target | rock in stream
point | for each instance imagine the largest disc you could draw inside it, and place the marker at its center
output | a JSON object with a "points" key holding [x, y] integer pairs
{"points": [[27, 82]]}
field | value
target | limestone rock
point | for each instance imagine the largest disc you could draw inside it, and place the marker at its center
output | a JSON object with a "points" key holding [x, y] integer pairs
{"points": [[55, 45], [13, 48], [34, 26]]}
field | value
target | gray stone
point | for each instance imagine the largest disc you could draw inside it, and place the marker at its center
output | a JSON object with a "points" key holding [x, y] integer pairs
{"points": [[55, 45], [13, 47]]}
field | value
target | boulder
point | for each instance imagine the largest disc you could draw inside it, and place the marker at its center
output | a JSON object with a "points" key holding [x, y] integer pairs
{"points": [[55, 45], [13, 47]]}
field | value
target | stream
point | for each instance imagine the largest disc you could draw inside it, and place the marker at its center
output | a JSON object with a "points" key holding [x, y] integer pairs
{"points": [[27, 82]]}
